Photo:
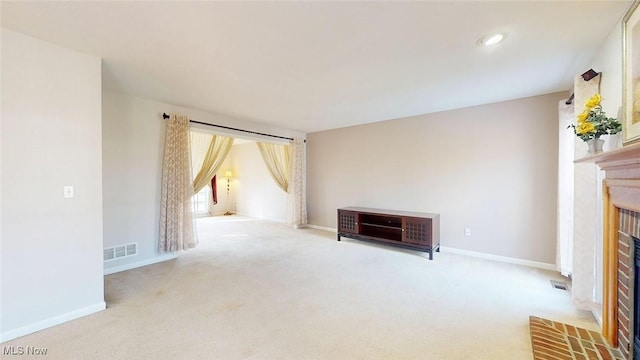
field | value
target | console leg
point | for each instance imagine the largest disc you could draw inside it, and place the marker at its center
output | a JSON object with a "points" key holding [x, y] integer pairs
{"points": [[338, 237], [431, 255]]}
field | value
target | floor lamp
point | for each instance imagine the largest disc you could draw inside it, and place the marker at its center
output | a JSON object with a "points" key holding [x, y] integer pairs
{"points": [[228, 175]]}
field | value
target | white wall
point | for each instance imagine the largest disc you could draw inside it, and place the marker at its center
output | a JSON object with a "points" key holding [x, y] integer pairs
{"points": [[255, 194], [133, 136], [491, 168], [608, 60], [51, 257], [225, 203], [133, 139]]}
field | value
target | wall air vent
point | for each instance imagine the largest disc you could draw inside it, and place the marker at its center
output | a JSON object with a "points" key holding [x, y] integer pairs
{"points": [[560, 285], [109, 254], [120, 251]]}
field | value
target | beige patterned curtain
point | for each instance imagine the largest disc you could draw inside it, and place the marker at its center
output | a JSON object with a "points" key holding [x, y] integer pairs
{"points": [[297, 199], [566, 139], [587, 220], [277, 158], [176, 219], [217, 151]]}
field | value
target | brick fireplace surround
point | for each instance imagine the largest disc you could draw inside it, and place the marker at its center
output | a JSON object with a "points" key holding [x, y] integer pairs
{"points": [[621, 197]]}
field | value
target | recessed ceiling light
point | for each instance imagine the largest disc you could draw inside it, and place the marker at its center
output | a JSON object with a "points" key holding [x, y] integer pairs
{"points": [[491, 39]]}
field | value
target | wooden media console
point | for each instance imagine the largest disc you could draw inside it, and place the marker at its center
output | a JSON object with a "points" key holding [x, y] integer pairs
{"points": [[410, 230]]}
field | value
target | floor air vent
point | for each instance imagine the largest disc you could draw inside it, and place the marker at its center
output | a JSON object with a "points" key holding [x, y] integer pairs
{"points": [[120, 251], [560, 285]]}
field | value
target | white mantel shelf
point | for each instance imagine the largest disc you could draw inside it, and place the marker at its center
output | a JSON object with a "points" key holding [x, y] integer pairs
{"points": [[626, 155]]}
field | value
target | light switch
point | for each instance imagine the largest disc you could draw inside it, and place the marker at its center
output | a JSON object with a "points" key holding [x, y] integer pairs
{"points": [[68, 192]]}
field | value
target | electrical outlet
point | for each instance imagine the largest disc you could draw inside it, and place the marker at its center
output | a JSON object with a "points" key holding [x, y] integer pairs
{"points": [[467, 232], [68, 192]]}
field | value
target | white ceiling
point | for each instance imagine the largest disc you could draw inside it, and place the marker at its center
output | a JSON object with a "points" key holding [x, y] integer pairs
{"points": [[312, 66]]}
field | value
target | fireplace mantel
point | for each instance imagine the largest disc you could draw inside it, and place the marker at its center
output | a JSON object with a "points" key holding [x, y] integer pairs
{"points": [[621, 190], [626, 156], [622, 175]]}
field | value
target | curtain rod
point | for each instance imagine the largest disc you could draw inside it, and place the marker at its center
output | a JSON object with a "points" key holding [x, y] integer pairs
{"points": [[165, 116]]}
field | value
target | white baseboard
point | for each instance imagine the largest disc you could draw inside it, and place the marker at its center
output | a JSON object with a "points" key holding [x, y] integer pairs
{"points": [[535, 264], [137, 264], [321, 228], [56, 320]]}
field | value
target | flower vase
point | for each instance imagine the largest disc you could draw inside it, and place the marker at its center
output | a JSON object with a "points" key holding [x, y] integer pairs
{"points": [[595, 146]]}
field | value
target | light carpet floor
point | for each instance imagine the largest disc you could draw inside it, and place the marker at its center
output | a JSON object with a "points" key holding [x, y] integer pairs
{"points": [[261, 290]]}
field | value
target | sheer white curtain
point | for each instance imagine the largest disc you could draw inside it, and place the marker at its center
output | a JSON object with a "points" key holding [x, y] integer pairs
{"points": [[200, 142], [176, 218], [286, 164], [217, 151], [297, 194], [564, 252], [586, 200], [277, 158]]}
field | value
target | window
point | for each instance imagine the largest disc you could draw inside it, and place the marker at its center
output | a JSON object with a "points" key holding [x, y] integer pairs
{"points": [[200, 202]]}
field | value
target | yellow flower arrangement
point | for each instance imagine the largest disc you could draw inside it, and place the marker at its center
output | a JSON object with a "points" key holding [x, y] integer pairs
{"points": [[593, 122], [582, 117], [593, 101]]}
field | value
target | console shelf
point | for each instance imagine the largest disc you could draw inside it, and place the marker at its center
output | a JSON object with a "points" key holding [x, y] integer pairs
{"points": [[411, 230]]}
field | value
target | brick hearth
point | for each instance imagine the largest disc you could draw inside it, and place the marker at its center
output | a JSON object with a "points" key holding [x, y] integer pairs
{"points": [[552, 340]]}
